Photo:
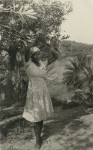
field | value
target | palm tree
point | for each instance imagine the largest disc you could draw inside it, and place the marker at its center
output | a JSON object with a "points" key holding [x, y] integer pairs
{"points": [[79, 76], [74, 74]]}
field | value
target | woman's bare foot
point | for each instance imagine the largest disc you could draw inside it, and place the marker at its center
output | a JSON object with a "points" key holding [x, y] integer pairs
{"points": [[38, 144]]}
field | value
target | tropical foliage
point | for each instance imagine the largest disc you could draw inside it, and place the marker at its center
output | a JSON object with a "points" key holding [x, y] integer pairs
{"points": [[79, 77]]}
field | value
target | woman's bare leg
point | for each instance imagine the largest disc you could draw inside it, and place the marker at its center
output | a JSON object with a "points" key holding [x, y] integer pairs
{"points": [[38, 128]]}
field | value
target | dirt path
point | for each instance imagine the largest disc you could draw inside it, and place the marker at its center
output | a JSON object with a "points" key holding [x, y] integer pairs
{"points": [[69, 129]]}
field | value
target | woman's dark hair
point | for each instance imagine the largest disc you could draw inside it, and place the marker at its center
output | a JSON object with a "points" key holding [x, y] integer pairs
{"points": [[35, 59]]}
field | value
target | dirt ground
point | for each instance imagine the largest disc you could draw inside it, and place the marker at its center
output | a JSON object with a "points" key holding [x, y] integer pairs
{"points": [[69, 129]]}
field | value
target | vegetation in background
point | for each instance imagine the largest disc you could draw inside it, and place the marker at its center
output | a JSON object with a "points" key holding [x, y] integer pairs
{"points": [[71, 48], [79, 78]]}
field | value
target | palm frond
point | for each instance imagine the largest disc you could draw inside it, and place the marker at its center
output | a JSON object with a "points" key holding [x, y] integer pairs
{"points": [[74, 65], [70, 77]]}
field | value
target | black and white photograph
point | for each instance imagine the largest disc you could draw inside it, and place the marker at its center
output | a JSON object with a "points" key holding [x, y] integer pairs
{"points": [[46, 74]]}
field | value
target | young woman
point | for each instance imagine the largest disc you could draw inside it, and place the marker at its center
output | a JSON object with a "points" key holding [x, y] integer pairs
{"points": [[38, 105]]}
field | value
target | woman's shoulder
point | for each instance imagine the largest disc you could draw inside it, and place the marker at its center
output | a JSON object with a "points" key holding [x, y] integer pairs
{"points": [[29, 64]]}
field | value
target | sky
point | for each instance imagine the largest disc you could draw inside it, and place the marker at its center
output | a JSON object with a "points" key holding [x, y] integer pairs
{"points": [[79, 23]]}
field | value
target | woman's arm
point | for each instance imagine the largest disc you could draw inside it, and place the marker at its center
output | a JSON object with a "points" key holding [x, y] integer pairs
{"points": [[55, 55]]}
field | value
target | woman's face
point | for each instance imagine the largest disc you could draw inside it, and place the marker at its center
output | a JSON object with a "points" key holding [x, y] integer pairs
{"points": [[36, 55]]}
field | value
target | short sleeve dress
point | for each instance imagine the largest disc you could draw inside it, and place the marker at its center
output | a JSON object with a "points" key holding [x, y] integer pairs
{"points": [[38, 103]]}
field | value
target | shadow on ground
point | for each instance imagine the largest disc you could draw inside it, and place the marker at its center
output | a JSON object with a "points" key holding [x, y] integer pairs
{"points": [[69, 129]]}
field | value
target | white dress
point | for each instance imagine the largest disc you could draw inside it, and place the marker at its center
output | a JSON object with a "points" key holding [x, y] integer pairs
{"points": [[38, 104]]}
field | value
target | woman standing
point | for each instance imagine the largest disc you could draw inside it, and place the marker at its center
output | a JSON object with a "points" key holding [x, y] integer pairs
{"points": [[38, 105]]}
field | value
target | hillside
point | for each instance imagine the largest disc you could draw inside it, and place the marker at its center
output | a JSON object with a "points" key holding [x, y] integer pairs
{"points": [[71, 48]]}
